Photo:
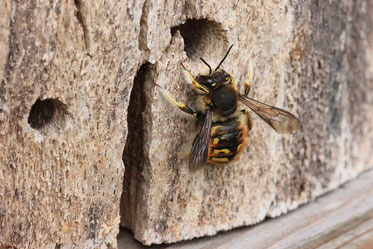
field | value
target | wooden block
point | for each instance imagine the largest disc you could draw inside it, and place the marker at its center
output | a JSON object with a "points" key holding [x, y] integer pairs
{"points": [[78, 104], [312, 59]]}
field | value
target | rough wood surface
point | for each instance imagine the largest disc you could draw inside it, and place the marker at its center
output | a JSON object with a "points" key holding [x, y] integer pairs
{"points": [[77, 103], [64, 91], [340, 219], [311, 58]]}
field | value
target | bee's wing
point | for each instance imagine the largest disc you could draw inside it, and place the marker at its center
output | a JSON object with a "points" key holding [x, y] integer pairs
{"points": [[201, 144], [280, 120]]}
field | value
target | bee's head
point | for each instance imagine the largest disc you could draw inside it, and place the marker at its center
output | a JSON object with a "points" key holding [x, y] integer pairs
{"points": [[215, 78]]}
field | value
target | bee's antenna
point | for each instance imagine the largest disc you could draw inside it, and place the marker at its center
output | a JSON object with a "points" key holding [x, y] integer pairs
{"points": [[224, 57], [207, 65]]}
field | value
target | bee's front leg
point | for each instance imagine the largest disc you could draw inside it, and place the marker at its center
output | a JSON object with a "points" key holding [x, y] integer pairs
{"points": [[181, 106], [194, 82], [248, 82]]}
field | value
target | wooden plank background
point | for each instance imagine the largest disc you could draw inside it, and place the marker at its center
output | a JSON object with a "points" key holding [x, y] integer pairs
{"points": [[342, 218]]}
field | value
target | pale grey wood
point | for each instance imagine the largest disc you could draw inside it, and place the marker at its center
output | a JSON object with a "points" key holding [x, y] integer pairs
{"points": [[340, 219], [356, 237], [363, 242]]}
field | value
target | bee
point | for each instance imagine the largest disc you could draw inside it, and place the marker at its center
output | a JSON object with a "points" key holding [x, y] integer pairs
{"points": [[225, 126]]}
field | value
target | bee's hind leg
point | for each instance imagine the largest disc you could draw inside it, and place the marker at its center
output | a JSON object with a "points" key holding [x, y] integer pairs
{"points": [[181, 106]]}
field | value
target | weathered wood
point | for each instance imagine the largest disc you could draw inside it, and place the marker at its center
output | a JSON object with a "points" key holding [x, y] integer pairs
{"points": [[340, 219], [312, 58], [77, 102], [63, 95]]}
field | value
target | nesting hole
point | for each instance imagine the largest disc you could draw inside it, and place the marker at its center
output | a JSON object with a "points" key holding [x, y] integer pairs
{"points": [[48, 115], [134, 150], [202, 38]]}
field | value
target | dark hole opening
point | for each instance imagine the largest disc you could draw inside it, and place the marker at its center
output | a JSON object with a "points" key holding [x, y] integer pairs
{"points": [[201, 37], [133, 154], [47, 113]]}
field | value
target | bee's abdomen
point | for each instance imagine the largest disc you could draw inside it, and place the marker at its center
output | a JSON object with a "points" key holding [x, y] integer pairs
{"points": [[228, 139]]}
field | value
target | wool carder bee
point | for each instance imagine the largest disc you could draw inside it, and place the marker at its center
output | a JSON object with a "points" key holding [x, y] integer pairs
{"points": [[224, 132]]}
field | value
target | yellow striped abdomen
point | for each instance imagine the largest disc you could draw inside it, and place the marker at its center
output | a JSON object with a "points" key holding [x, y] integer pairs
{"points": [[228, 139]]}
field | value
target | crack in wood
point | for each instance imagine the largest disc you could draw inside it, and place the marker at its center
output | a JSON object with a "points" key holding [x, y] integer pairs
{"points": [[82, 21], [143, 37]]}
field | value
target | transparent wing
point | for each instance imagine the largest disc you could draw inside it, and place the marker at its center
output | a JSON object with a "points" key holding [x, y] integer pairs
{"points": [[201, 144], [280, 120]]}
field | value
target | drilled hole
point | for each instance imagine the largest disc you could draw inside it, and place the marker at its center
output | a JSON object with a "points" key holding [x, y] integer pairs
{"points": [[202, 38], [134, 151], [47, 115]]}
